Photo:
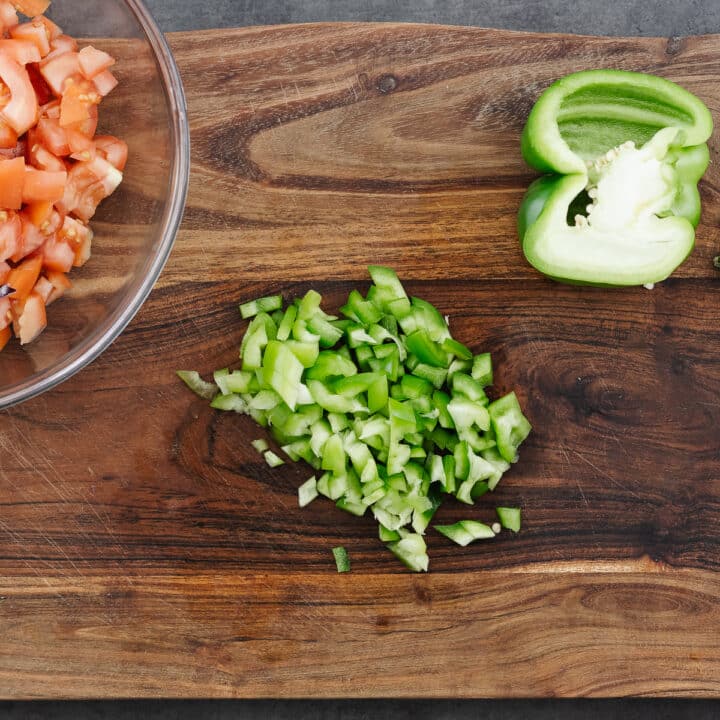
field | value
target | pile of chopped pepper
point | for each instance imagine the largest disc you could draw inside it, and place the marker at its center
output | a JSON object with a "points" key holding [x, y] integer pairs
{"points": [[383, 403]]}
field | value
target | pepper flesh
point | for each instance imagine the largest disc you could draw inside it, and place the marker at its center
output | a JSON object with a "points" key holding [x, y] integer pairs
{"points": [[625, 152]]}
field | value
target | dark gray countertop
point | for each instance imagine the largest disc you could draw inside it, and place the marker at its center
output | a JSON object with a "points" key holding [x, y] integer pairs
{"points": [[622, 17], [617, 17]]}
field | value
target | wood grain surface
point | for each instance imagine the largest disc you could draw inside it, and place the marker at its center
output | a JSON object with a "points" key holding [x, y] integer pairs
{"points": [[146, 550]]}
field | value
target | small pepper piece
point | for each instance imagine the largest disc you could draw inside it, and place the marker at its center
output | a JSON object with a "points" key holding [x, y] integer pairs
{"points": [[509, 424], [342, 559]]}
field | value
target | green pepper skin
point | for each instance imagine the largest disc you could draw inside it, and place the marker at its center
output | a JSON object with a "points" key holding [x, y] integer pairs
{"points": [[534, 201], [578, 119]]}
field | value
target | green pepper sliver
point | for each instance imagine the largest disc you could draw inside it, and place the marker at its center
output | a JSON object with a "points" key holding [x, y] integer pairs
{"points": [[624, 152], [342, 560]]}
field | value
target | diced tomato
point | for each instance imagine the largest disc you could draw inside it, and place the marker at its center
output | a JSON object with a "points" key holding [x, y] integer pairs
{"points": [[43, 186], [58, 255], [21, 51], [105, 82], [31, 238], [89, 126], [41, 158], [59, 69], [76, 102], [5, 333], [31, 7], [88, 184], [12, 180], [8, 15], [42, 89], [107, 173], [113, 149], [94, 61], [10, 234], [39, 213], [8, 137], [73, 231], [29, 318], [79, 237], [84, 249], [80, 144], [89, 200], [43, 287], [60, 282], [53, 137], [21, 112], [35, 32], [54, 172], [54, 223], [80, 181], [24, 276], [52, 29], [61, 45]]}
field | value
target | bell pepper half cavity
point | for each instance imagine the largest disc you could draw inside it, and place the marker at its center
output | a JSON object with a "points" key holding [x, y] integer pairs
{"points": [[623, 153]]}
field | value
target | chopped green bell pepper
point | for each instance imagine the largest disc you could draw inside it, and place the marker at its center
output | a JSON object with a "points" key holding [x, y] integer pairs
{"points": [[511, 427], [625, 152]]}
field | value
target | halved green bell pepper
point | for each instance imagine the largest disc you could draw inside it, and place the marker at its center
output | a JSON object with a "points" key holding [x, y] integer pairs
{"points": [[624, 152]]}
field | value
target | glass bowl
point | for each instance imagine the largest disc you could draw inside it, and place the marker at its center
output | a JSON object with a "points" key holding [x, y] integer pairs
{"points": [[135, 228]]}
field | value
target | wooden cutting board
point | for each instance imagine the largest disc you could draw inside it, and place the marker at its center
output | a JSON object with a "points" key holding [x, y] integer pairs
{"points": [[146, 550]]}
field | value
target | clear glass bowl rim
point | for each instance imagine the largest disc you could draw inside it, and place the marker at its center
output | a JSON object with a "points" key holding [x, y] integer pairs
{"points": [[101, 338]]}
